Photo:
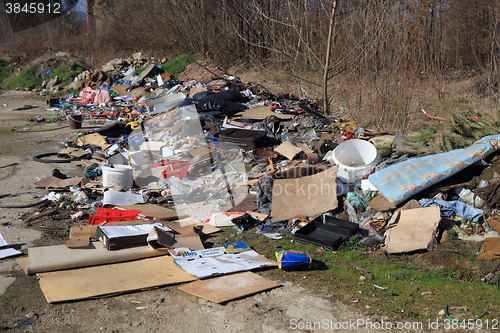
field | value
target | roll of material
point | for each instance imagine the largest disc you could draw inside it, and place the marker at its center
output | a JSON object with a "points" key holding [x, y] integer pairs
{"points": [[311, 158], [59, 257]]}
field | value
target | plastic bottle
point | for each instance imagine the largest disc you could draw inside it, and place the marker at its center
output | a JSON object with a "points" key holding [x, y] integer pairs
{"points": [[482, 183], [285, 136], [467, 196]]}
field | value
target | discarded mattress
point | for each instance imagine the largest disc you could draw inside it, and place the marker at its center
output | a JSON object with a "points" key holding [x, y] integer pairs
{"points": [[403, 180]]}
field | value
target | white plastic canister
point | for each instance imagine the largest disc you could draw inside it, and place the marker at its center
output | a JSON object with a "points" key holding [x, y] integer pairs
{"points": [[356, 159], [121, 176]]}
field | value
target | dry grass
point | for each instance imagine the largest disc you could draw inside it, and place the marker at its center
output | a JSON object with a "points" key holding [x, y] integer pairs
{"points": [[386, 103]]}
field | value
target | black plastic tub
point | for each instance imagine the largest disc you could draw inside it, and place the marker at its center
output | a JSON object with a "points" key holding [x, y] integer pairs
{"points": [[330, 234]]}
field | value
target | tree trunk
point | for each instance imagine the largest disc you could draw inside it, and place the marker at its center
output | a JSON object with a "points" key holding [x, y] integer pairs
{"points": [[327, 61]]}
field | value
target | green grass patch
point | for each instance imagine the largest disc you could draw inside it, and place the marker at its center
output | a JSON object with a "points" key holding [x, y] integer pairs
{"points": [[5, 70], [28, 77], [177, 65], [25, 79], [66, 72], [138, 71], [408, 292]]}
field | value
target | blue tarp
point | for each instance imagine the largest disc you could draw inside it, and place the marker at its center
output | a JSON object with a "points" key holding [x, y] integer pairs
{"points": [[401, 181]]}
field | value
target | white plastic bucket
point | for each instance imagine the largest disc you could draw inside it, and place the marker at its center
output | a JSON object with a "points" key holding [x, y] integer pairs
{"points": [[121, 176], [356, 159]]}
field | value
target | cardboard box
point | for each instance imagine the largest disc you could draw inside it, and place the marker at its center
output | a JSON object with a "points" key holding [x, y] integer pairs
{"points": [[119, 237]]}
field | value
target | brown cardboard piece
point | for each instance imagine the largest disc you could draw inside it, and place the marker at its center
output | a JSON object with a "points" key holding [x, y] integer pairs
{"points": [[72, 153], [309, 195], [162, 240], [228, 287], [79, 237], [261, 113], [139, 92], [52, 182], [380, 203], [196, 90], [93, 139], [259, 216], [203, 228], [413, 230], [202, 151], [89, 282], [155, 212], [288, 150], [304, 147], [121, 89], [490, 250]]}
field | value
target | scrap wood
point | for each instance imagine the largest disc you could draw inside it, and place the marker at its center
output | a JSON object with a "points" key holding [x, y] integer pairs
{"points": [[248, 182], [365, 271], [368, 132], [6, 165], [225, 288], [433, 117], [37, 215]]}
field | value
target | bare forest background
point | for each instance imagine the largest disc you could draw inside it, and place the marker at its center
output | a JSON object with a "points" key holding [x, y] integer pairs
{"points": [[388, 59]]}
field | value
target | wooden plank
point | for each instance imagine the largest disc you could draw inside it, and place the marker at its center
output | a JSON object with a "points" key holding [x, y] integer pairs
{"points": [[228, 287], [6, 165]]}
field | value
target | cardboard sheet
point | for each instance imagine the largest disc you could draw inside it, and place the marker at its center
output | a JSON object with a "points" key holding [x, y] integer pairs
{"points": [[380, 203], [156, 212], [52, 182], [79, 237], [225, 288], [193, 91], [490, 250], [261, 113], [203, 228], [121, 89], [217, 261], [93, 139], [59, 257], [91, 282], [162, 238], [308, 195], [72, 153], [304, 147], [288, 150], [413, 230], [202, 151]]}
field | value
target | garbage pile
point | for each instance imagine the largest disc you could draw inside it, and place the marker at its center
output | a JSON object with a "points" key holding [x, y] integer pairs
{"points": [[181, 159]]}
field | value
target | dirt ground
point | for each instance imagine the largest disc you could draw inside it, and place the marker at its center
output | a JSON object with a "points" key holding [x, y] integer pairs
{"points": [[298, 303], [23, 306]]}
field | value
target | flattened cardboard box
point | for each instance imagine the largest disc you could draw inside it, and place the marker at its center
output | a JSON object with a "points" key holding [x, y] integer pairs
{"points": [[309, 195], [412, 230], [225, 288], [115, 237], [91, 282]]}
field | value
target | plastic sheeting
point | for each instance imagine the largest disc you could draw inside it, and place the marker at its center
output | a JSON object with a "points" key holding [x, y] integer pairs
{"points": [[401, 181]]}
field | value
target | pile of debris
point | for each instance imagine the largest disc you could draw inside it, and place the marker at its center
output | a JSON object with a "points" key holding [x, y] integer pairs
{"points": [[181, 159]]}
